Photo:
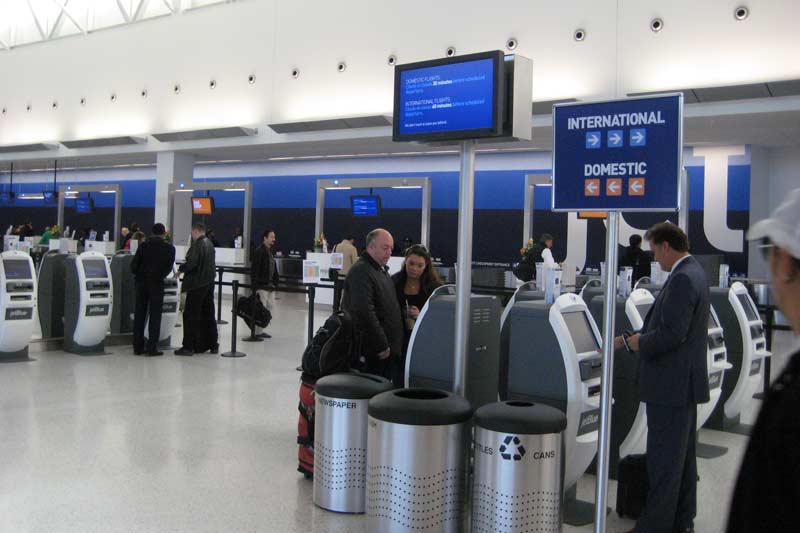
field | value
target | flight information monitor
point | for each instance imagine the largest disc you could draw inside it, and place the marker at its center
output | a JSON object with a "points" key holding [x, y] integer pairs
{"points": [[748, 307], [202, 205], [6, 197], [83, 205], [365, 206], [17, 269], [581, 331], [95, 268], [643, 309], [50, 197], [449, 99]]}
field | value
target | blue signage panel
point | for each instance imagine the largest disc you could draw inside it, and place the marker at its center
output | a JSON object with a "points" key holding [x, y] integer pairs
{"points": [[622, 155]]}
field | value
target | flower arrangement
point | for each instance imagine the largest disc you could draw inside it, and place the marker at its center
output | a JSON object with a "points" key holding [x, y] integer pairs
{"points": [[319, 240], [527, 248]]}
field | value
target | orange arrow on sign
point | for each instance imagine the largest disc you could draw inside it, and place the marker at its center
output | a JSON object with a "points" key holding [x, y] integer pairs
{"points": [[591, 187], [636, 187], [614, 187]]}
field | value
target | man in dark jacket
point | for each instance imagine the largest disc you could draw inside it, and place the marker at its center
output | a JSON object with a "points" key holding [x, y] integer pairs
{"points": [[264, 274], [199, 324], [673, 379], [369, 296], [152, 263], [636, 258]]}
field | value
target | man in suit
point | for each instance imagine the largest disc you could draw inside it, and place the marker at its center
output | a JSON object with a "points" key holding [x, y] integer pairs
{"points": [[673, 379], [152, 263]]}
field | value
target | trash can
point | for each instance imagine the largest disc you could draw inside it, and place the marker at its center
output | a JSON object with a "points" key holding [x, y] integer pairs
{"points": [[519, 468], [340, 439], [417, 461]]}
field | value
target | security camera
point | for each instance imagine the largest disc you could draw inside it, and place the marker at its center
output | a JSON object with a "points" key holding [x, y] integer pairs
{"points": [[176, 88], [212, 84], [251, 79], [656, 25], [28, 107], [113, 97], [55, 104], [391, 60], [579, 35], [511, 44], [342, 66], [4, 111], [295, 73], [83, 100], [741, 13], [451, 51], [144, 93]]}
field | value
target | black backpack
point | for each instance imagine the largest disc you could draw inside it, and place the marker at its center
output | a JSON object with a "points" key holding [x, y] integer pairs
{"points": [[330, 350], [525, 271]]}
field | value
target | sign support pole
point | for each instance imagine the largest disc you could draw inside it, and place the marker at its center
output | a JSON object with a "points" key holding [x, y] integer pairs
{"points": [[466, 197], [609, 309], [683, 212]]}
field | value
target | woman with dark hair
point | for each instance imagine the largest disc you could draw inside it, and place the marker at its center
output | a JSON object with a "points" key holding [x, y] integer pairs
{"points": [[414, 284]]}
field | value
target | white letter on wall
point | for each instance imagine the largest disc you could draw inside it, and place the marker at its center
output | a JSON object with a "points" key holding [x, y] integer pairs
{"points": [[715, 198]]}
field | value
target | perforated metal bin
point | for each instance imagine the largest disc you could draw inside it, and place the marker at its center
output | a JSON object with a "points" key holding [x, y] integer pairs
{"points": [[417, 461], [519, 468], [340, 439]]}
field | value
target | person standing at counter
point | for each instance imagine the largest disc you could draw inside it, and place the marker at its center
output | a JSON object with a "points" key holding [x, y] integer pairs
{"points": [[414, 284], [264, 274], [49, 233], [636, 258], [349, 254], [370, 299], [199, 323], [767, 491], [540, 253], [673, 379], [152, 263]]}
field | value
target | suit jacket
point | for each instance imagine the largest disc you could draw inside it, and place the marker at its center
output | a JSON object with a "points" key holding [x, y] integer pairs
{"points": [[673, 369], [264, 268], [154, 260]]}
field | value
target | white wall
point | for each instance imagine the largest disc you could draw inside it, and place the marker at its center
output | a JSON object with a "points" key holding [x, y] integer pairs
{"points": [[701, 45]]}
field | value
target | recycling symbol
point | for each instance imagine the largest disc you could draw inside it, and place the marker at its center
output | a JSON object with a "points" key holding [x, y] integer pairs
{"points": [[511, 449]]}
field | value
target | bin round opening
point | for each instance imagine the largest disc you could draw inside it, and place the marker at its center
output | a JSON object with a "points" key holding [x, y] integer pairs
{"points": [[421, 394], [520, 404]]}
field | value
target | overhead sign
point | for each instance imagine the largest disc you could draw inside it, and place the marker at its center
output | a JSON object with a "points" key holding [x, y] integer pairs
{"points": [[620, 155]]}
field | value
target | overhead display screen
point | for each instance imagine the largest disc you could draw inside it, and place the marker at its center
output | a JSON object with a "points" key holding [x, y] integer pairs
{"points": [[365, 206], [95, 268], [449, 99], [643, 309], [202, 205], [84, 205], [580, 329], [747, 303], [17, 269]]}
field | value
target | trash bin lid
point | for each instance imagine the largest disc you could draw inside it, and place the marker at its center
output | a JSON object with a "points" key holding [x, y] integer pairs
{"points": [[522, 418], [420, 407], [352, 386]]}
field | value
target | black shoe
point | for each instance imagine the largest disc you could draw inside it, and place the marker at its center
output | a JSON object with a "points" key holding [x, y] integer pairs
{"points": [[214, 349], [264, 335], [137, 352], [184, 351], [154, 353]]}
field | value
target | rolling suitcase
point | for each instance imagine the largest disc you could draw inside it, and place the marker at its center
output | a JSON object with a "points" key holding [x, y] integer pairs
{"points": [[632, 486]]}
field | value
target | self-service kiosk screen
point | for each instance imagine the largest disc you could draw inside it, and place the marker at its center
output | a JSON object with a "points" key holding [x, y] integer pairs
{"points": [[95, 268], [581, 331], [748, 306], [643, 309], [17, 269]]}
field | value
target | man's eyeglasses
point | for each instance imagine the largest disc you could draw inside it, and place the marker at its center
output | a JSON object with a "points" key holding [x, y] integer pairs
{"points": [[766, 246]]}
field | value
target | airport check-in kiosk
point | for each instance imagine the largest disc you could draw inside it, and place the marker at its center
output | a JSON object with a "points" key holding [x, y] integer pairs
{"points": [[169, 312], [746, 348], [17, 304], [527, 292], [554, 358], [717, 366], [88, 303], [429, 362], [51, 294], [124, 293]]}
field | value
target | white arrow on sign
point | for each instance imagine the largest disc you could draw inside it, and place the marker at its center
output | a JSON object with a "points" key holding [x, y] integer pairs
{"points": [[591, 187], [636, 186], [638, 137], [615, 138], [613, 186], [594, 139]]}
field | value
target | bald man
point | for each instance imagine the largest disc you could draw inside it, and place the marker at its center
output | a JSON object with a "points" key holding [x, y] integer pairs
{"points": [[370, 299]]}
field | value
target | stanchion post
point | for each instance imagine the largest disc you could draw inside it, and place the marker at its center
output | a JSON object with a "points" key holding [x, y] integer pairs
{"points": [[312, 291], [253, 300], [219, 299], [234, 320]]}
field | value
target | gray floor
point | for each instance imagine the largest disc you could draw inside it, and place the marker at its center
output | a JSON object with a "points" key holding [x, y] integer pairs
{"points": [[129, 444]]}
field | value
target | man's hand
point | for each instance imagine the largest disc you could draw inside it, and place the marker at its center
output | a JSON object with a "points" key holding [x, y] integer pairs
{"points": [[633, 342], [413, 312], [384, 354], [618, 343]]}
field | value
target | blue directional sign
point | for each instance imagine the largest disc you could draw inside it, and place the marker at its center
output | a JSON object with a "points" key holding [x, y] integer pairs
{"points": [[620, 155]]}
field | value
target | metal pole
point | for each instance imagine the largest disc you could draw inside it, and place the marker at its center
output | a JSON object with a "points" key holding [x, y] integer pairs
{"points": [[312, 291], [234, 319], [466, 196], [683, 213], [219, 300], [609, 308]]}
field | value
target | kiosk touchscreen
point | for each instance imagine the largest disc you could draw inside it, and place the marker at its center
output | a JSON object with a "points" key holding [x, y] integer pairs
{"points": [[88, 303], [124, 293], [51, 294], [169, 312], [554, 358], [429, 362], [17, 304], [746, 348]]}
